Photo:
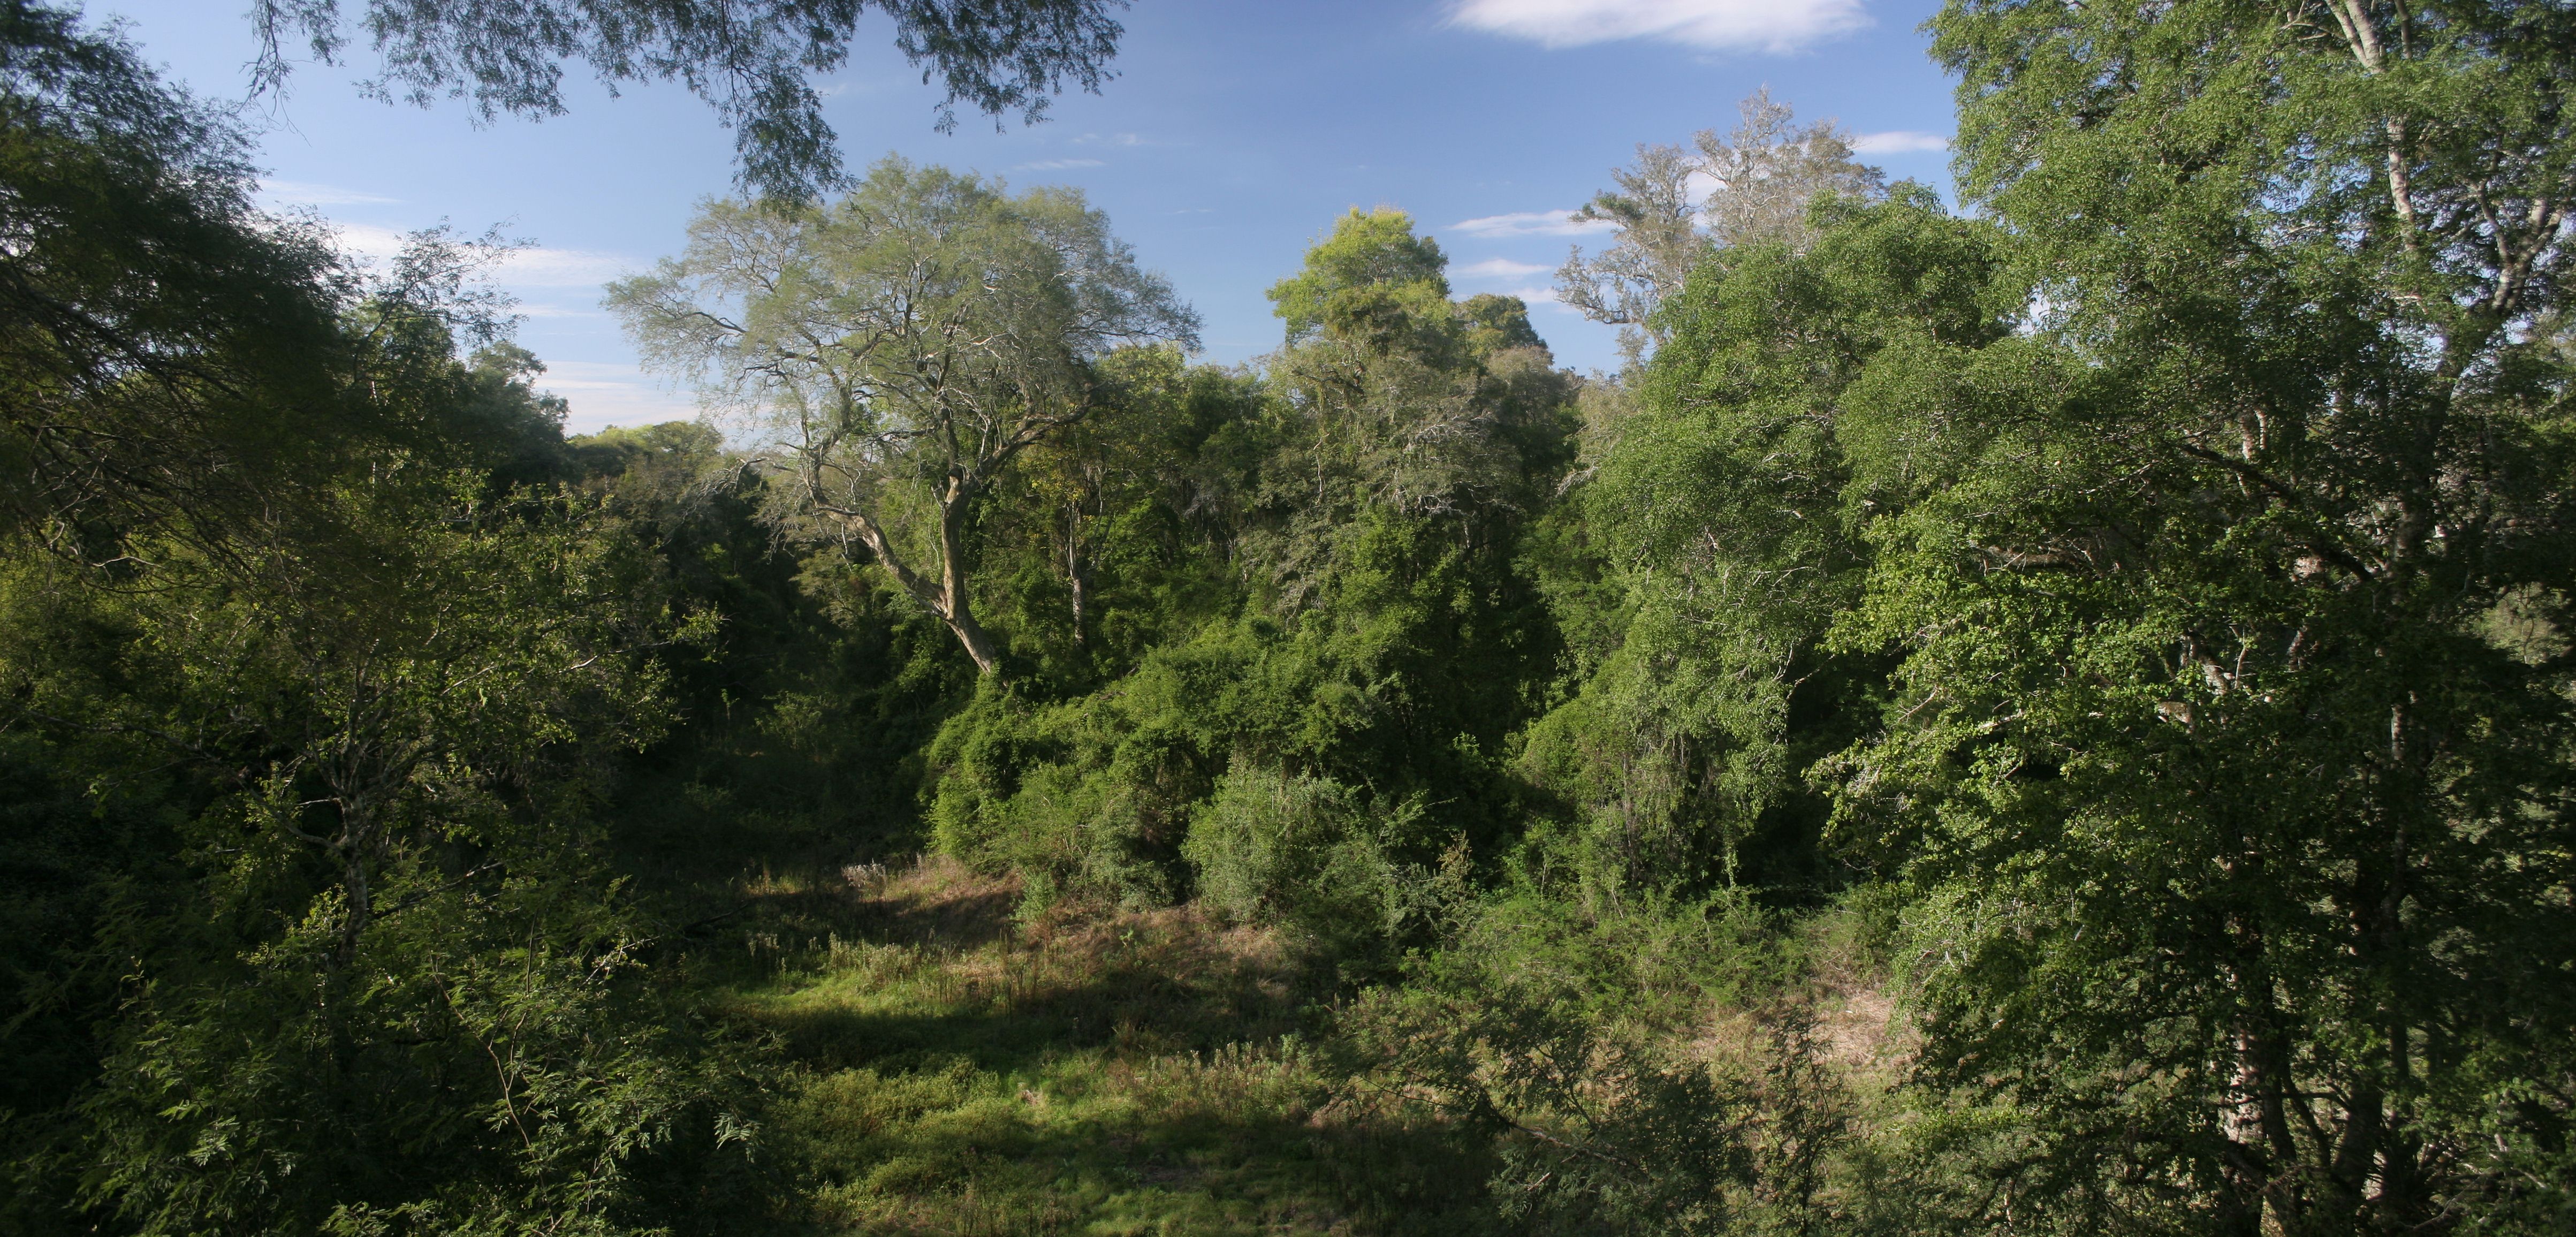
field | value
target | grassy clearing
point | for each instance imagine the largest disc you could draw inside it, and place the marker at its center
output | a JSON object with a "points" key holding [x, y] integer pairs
{"points": [[1090, 1070]]}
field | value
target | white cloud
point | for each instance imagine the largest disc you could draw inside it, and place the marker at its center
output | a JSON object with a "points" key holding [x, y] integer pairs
{"points": [[1057, 165], [600, 394], [1776, 26], [301, 193], [1898, 142], [1531, 223], [1499, 268]]}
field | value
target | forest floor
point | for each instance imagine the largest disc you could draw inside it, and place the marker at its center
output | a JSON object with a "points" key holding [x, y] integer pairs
{"points": [[959, 1068]]}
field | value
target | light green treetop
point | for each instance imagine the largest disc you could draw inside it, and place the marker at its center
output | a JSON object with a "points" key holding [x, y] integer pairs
{"points": [[902, 346], [1368, 254]]}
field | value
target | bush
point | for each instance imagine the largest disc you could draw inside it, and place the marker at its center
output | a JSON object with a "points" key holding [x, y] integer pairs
{"points": [[1279, 847]]}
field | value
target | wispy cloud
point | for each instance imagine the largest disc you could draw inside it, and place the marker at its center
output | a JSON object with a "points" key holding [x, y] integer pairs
{"points": [[532, 267], [1113, 139], [1776, 26], [1898, 142], [1499, 268], [302, 193], [1531, 223], [540, 267], [601, 394], [1058, 165], [541, 309]]}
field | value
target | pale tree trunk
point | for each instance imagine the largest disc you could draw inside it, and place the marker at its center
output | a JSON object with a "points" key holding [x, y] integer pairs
{"points": [[945, 596], [1074, 576], [953, 605]]}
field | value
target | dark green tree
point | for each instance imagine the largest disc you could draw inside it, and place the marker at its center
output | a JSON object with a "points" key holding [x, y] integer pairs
{"points": [[306, 710], [2239, 743], [158, 338]]}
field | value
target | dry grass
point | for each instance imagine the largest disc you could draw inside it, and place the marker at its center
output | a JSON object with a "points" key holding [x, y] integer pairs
{"points": [[1858, 1030]]}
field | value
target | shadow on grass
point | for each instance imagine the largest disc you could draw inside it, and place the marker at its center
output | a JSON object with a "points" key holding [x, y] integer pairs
{"points": [[1096, 1070], [932, 960], [1178, 1176], [1240, 1141], [1009, 1008]]}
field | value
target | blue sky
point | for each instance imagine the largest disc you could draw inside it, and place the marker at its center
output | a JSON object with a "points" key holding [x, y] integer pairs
{"points": [[1233, 134]]}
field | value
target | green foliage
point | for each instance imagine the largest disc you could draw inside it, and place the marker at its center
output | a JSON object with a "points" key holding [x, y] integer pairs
{"points": [[1673, 206], [1098, 791], [805, 688], [2053, 721], [1399, 400], [69, 856], [380, 876], [311, 706], [1330, 551], [1725, 518], [2117, 586], [1111, 537], [2202, 656]]}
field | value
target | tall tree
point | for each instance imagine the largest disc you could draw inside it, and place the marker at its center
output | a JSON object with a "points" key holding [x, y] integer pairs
{"points": [[1399, 399], [751, 60], [300, 710], [2275, 549], [2213, 506], [1368, 254], [1728, 536], [1672, 205], [906, 343]]}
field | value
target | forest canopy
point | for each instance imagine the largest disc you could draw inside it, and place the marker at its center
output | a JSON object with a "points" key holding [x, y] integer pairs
{"points": [[2051, 713]]}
